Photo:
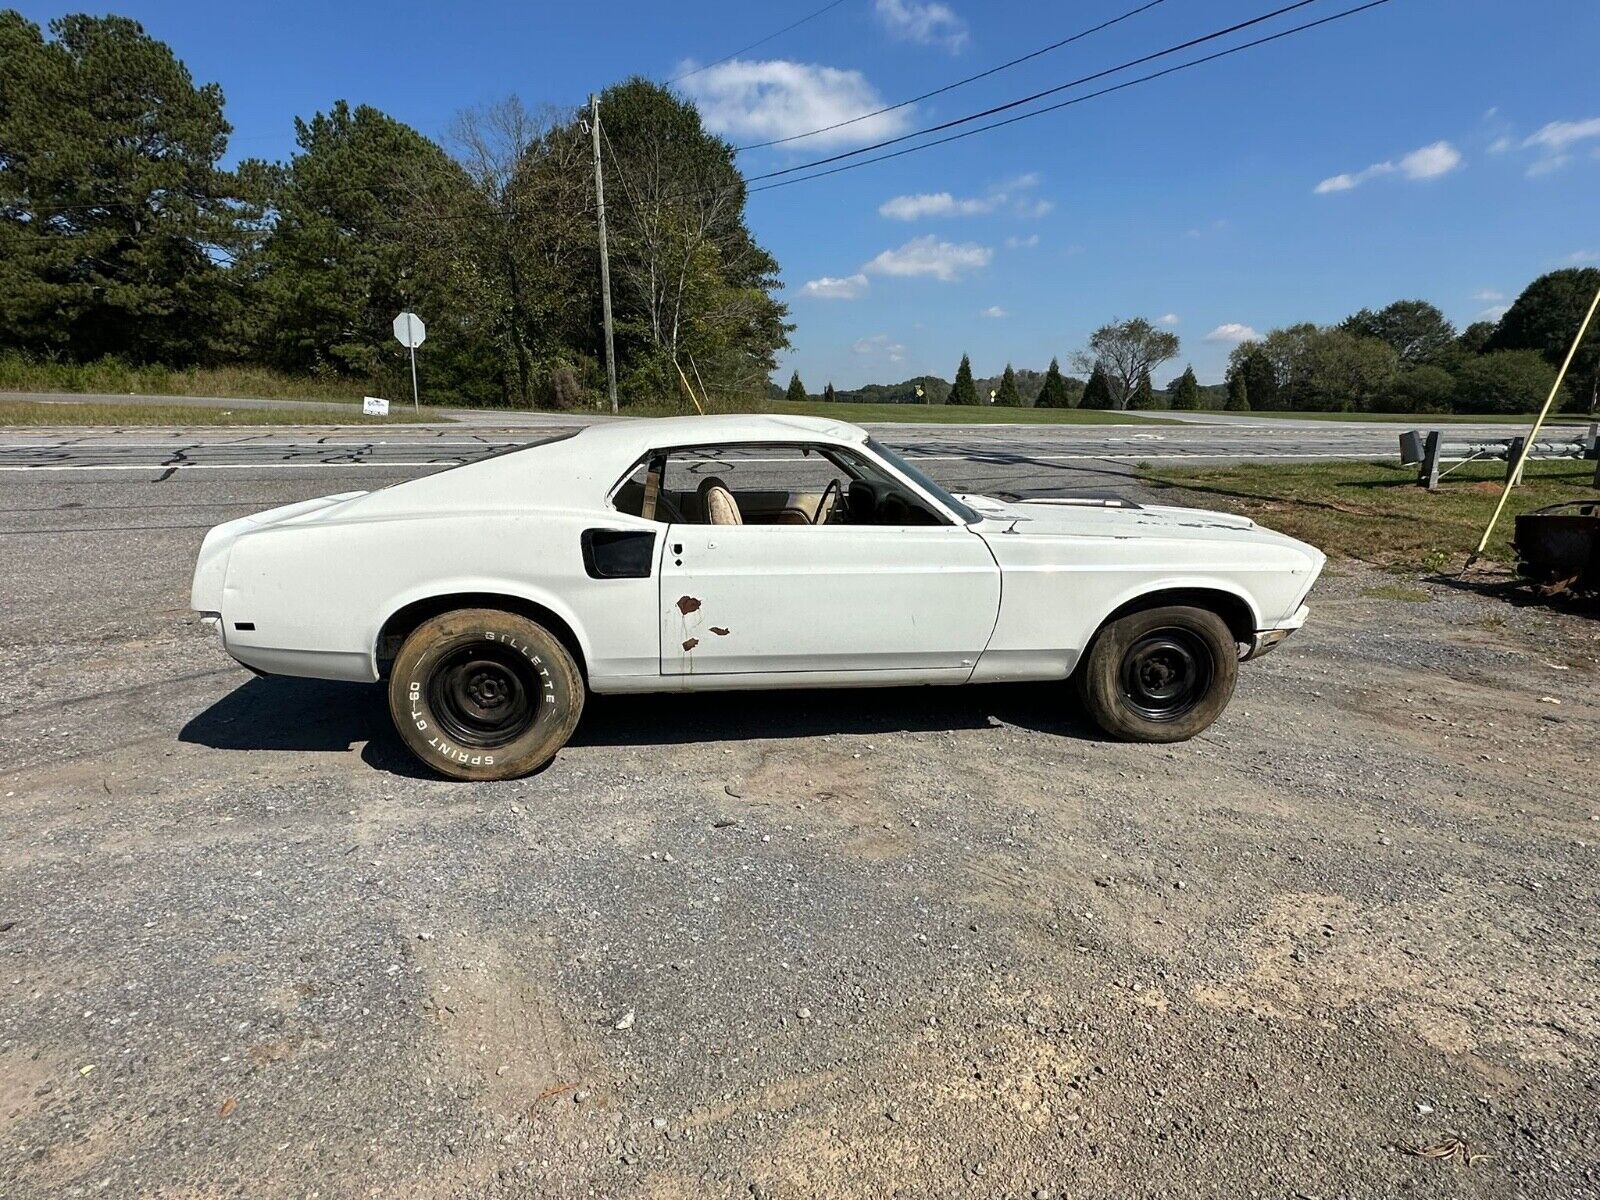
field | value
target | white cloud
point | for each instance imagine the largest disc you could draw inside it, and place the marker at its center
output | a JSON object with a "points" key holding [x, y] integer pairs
{"points": [[943, 204], [829, 288], [1500, 145], [1486, 295], [1429, 162], [1547, 166], [1233, 332], [879, 345], [926, 22], [762, 101], [1578, 257], [1019, 183], [1558, 135], [927, 255], [1425, 162], [1022, 243], [1493, 313], [1169, 319], [1346, 181], [935, 204], [995, 311]]}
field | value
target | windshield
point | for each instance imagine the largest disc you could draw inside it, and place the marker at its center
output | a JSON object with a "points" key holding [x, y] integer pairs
{"points": [[965, 514]]}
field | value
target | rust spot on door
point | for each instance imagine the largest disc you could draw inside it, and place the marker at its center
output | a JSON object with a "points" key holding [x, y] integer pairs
{"points": [[691, 643], [688, 604], [719, 631]]}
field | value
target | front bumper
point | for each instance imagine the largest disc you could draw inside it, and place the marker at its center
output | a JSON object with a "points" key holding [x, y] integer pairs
{"points": [[1269, 639]]}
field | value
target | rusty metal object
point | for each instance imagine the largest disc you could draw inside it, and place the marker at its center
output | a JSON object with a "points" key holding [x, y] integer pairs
{"points": [[1558, 547]]}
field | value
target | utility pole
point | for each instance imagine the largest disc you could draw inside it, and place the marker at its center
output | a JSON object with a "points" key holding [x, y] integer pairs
{"points": [[605, 256]]}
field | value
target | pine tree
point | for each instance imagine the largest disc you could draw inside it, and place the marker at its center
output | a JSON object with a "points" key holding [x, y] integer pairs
{"points": [[828, 393], [1144, 394], [1097, 392], [797, 390], [1008, 395], [1238, 393], [1184, 391], [964, 391], [1054, 393]]}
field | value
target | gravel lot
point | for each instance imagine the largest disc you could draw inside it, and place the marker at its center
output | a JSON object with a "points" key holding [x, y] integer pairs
{"points": [[908, 943]]}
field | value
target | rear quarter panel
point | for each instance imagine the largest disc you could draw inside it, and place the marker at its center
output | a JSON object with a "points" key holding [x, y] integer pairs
{"points": [[324, 590]]}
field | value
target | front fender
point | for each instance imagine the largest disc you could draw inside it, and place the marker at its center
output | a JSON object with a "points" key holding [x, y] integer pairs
{"points": [[1177, 583]]}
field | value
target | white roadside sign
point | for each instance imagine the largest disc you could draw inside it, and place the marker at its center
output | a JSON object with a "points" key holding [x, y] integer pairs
{"points": [[409, 330], [373, 406]]}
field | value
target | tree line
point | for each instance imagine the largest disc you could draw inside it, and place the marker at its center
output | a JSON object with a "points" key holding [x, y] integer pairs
{"points": [[122, 235], [1404, 357]]}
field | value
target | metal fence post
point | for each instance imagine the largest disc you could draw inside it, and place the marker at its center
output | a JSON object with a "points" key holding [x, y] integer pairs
{"points": [[1428, 477], [1514, 459]]}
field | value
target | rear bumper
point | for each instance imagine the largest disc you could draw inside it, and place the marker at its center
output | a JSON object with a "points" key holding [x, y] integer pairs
{"points": [[1269, 639]]}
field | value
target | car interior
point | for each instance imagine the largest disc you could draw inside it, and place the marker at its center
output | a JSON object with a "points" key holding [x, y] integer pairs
{"points": [[768, 485]]}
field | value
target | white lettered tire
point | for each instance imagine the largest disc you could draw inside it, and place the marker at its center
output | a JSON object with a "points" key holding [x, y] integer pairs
{"points": [[484, 694]]}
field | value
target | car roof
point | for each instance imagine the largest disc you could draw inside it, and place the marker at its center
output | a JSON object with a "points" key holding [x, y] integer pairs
{"points": [[579, 471], [634, 437]]}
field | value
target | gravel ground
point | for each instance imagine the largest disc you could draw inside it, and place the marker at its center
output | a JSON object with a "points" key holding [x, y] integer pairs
{"points": [[907, 943]]}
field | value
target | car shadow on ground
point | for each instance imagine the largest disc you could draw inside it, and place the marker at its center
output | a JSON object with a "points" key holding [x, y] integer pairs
{"points": [[288, 714]]}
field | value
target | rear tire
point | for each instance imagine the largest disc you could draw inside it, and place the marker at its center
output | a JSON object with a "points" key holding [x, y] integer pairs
{"points": [[1161, 675], [482, 694]]}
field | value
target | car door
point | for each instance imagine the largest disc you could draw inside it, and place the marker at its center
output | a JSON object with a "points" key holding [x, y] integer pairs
{"points": [[781, 598]]}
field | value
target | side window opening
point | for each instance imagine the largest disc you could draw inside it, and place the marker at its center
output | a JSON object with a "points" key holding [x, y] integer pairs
{"points": [[785, 484]]}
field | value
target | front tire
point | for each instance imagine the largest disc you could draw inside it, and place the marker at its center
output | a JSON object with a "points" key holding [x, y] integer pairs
{"points": [[1161, 675], [482, 694]]}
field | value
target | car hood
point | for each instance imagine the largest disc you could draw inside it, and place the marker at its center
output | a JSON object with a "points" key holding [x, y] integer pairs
{"points": [[1119, 519]]}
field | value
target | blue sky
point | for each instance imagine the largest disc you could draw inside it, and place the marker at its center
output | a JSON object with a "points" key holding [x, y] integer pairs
{"points": [[1447, 149]]}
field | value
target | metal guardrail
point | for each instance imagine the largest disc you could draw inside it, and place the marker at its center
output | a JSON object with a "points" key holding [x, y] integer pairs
{"points": [[1427, 450]]}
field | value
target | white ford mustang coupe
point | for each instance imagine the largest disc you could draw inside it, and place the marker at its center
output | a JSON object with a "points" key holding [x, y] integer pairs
{"points": [[736, 552]]}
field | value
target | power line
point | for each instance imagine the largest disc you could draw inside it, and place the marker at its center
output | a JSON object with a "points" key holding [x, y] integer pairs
{"points": [[516, 212], [939, 91], [758, 42], [1349, 12], [1000, 108]]}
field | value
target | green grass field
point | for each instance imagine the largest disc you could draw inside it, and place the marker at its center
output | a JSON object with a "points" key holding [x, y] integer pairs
{"points": [[1424, 420], [1375, 512], [46, 413]]}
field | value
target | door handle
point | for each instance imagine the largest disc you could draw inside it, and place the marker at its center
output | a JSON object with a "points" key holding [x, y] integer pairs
{"points": [[677, 547]]}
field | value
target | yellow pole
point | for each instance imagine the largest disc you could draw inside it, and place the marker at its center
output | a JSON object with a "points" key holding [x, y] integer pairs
{"points": [[1513, 475], [689, 389]]}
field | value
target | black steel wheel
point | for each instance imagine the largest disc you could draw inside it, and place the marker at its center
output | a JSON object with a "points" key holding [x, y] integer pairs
{"points": [[1166, 673], [482, 694]]}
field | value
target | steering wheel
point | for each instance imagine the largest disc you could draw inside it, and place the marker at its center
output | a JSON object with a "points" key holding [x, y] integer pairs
{"points": [[833, 489]]}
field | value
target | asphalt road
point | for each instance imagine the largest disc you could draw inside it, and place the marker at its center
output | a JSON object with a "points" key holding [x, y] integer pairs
{"points": [[919, 943], [1029, 456]]}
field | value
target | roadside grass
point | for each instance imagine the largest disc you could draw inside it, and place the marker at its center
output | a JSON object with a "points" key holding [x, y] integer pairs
{"points": [[112, 377], [1421, 420], [19, 413], [1398, 592], [1375, 512]]}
